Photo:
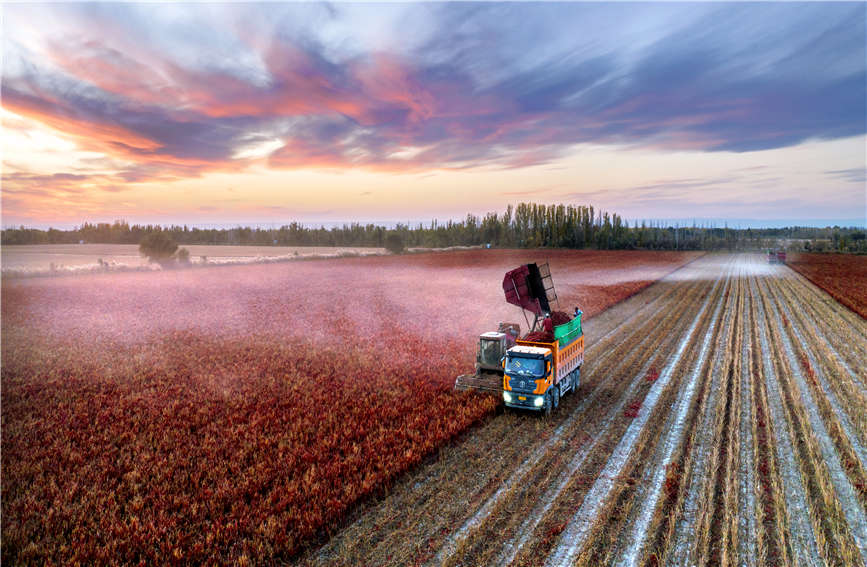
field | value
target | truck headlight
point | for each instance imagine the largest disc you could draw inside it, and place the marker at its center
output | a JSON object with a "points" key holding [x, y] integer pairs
{"points": [[507, 397], [539, 401]]}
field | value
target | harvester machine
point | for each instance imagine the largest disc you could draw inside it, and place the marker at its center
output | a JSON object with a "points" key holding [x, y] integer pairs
{"points": [[488, 376]]}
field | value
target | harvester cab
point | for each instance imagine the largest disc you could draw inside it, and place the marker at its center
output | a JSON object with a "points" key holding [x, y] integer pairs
{"points": [[493, 346], [492, 349], [776, 256]]}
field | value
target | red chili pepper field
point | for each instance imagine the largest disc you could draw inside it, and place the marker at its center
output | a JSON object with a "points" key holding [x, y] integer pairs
{"points": [[237, 414]]}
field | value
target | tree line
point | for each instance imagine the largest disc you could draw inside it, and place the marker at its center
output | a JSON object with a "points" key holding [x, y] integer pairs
{"points": [[527, 225]]}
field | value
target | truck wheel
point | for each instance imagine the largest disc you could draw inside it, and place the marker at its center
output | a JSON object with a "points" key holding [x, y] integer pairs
{"points": [[556, 397], [546, 408]]}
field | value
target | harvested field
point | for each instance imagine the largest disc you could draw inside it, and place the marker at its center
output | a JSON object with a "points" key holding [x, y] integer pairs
{"points": [[843, 276], [239, 414], [720, 420]]}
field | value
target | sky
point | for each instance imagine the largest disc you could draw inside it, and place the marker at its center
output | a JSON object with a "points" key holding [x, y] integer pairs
{"points": [[209, 114]]}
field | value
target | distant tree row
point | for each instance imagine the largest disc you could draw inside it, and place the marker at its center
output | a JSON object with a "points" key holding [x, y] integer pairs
{"points": [[528, 225]]}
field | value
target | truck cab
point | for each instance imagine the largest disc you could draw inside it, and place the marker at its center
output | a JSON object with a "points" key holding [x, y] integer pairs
{"points": [[538, 370], [527, 377]]}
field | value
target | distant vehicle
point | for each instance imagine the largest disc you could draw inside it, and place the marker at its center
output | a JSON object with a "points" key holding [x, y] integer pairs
{"points": [[776, 256]]}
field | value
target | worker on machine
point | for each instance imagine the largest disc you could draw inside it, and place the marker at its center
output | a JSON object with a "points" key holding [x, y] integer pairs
{"points": [[578, 312], [548, 324]]}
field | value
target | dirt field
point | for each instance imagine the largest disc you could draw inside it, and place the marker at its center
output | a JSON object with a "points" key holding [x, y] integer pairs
{"points": [[237, 414], [722, 419]]}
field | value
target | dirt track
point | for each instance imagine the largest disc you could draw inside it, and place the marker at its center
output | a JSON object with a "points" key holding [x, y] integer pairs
{"points": [[747, 446]]}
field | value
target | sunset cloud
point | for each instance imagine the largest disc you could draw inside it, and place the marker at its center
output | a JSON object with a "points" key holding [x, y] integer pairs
{"points": [[177, 92]]}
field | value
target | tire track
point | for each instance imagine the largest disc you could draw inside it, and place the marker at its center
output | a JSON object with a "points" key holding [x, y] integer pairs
{"points": [[575, 533]]}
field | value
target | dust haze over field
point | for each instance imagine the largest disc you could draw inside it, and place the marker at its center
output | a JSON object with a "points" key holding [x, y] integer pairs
{"points": [[66, 259], [456, 295]]}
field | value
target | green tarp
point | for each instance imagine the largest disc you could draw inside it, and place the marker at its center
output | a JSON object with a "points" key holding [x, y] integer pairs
{"points": [[568, 332]]}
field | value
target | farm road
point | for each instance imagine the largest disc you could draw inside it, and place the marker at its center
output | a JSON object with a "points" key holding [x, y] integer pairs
{"points": [[720, 419]]}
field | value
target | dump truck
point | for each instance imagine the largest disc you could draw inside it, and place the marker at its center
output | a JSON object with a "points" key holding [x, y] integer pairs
{"points": [[536, 374], [532, 372]]}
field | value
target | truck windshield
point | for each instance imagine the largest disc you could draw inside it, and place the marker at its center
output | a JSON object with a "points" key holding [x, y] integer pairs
{"points": [[520, 365]]}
